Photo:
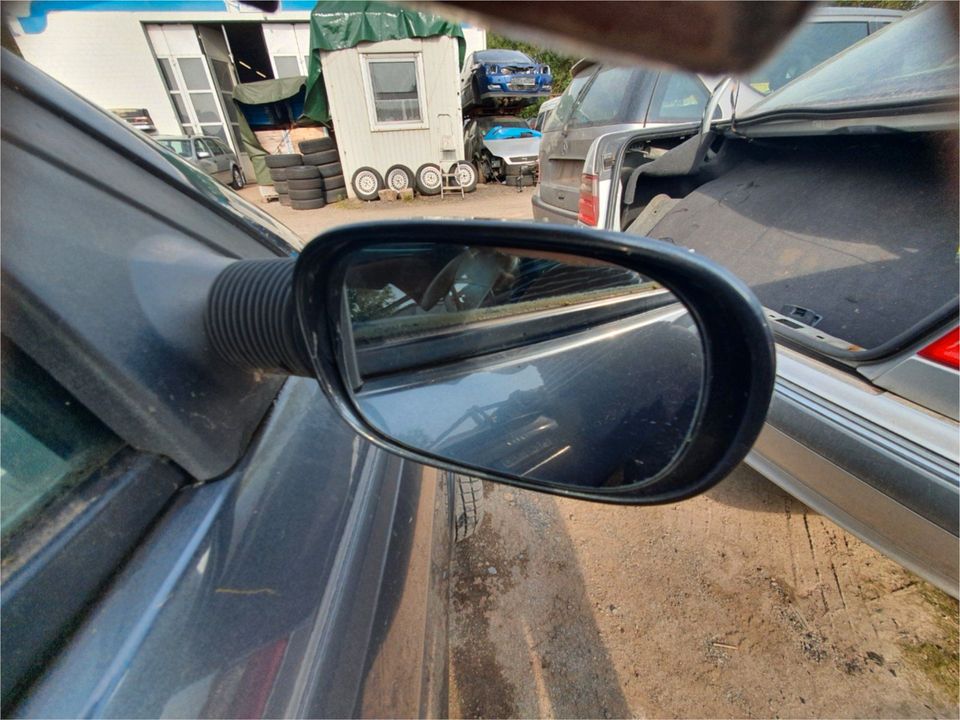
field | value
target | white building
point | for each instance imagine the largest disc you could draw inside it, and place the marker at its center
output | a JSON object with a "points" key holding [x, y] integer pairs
{"points": [[180, 60]]}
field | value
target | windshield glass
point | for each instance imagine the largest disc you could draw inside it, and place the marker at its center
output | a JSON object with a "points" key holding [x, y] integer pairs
{"points": [[180, 147], [900, 64], [502, 56]]}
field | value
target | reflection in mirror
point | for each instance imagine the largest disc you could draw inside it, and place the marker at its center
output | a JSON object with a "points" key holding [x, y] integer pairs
{"points": [[552, 368]]}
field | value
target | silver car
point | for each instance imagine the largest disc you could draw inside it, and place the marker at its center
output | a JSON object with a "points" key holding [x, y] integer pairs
{"points": [[210, 154], [835, 199]]}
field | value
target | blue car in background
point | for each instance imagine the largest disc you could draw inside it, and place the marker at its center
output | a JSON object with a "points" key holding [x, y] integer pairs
{"points": [[503, 77]]}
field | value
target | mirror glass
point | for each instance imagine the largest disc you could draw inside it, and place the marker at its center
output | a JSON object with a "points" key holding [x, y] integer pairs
{"points": [[553, 368]]}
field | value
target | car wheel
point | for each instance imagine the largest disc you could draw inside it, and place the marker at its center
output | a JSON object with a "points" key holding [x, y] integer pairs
{"points": [[238, 181], [466, 175], [367, 183], [429, 179], [399, 177], [467, 505]]}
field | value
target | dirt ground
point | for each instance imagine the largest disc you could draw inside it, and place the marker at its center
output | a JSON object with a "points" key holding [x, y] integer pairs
{"points": [[738, 603], [489, 202]]}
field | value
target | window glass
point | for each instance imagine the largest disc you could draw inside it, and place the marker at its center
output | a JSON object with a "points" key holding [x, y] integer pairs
{"points": [[205, 106], [601, 104], [167, 72], [217, 147], [180, 147], [216, 131], [679, 97], [48, 440], [395, 290], [287, 66], [202, 147], [394, 89], [560, 114], [194, 75], [809, 47], [181, 107], [222, 72]]}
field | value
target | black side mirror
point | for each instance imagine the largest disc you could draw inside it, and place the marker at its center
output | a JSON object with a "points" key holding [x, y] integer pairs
{"points": [[576, 362]]}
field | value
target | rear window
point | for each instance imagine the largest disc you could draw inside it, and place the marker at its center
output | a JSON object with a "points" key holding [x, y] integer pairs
{"points": [[567, 101], [604, 99], [809, 47], [679, 97]]}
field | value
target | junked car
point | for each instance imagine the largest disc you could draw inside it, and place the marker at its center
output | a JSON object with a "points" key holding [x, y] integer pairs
{"points": [[210, 154], [835, 199], [502, 147], [603, 99], [499, 76]]}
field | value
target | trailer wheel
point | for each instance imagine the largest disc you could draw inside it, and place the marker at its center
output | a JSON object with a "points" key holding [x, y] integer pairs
{"points": [[429, 179], [466, 175], [367, 183], [399, 177]]}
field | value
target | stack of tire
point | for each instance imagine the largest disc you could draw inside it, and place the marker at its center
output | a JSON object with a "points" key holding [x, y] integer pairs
{"points": [[309, 180]]}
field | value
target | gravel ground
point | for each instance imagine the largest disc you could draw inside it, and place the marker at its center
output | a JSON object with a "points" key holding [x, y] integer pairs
{"points": [[738, 603]]}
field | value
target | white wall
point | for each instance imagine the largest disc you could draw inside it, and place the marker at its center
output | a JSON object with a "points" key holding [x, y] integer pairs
{"points": [[476, 38], [359, 144], [106, 58]]}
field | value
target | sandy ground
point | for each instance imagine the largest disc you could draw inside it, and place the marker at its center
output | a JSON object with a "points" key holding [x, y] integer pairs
{"points": [[489, 202], [738, 603]]}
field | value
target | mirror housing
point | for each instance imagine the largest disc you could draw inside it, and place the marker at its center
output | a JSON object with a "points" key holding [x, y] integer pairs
{"points": [[202, 154], [737, 346]]}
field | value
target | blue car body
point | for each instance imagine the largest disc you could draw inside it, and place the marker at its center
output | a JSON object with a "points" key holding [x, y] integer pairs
{"points": [[500, 76]]}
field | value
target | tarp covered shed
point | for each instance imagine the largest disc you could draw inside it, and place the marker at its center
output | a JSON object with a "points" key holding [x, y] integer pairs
{"points": [[338, 25]]}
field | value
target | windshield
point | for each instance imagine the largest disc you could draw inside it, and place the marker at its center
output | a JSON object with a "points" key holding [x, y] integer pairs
{"points": [[180, 147], [903, 63], [486, 124], [502, 56]]}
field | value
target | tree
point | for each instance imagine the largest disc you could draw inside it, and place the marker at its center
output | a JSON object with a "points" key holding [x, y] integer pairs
{"points": [[560, 65]]}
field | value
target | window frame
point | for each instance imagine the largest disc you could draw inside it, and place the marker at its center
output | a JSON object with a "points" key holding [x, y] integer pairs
{"points": [[387, 126]]}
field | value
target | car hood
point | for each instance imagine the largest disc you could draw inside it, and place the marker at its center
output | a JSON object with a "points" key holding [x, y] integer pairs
{"points": [[513, 147]]}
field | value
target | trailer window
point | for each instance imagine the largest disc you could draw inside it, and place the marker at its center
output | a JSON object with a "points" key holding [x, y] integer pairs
{"points": [[394, 87]]}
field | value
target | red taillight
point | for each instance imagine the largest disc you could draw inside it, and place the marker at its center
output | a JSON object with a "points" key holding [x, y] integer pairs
{"points": [[945, 351], [589, 205]]}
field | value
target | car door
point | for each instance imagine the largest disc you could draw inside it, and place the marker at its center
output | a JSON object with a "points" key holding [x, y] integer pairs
{"points": [[206, 160], [239, 551]]}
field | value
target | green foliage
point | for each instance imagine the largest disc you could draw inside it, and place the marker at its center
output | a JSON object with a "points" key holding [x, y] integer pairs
{"points": [[560, 65], [368, 304], [882, 4]]}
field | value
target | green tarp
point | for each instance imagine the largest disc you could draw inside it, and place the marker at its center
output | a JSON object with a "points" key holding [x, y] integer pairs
{"points": [[340, 24], [268, 91], [259, 93]]}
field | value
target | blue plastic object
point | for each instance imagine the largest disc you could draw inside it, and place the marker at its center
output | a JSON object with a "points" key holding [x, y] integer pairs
{"points": [[498, 132]]}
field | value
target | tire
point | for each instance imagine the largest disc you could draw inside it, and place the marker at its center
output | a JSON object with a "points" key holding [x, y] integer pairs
{"points": [[281, 187], [238, 181], [466, 175], [429, 179], [318, 145], [283, 161], [399, 177], [335, 195], [330, 169], [322, 158], [314, 194], [308, 204], [278, 174], [467, 505], [305, 172], [367, 183], [285, 200], [334, 182], [312, 184]]}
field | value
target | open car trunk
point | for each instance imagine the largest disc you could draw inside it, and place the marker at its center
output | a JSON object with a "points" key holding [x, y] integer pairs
{"points": [[859, 230]]}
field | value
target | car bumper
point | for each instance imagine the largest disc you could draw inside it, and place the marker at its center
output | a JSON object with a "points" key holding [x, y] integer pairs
{"points": [[880, 467], [548, 213]]}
